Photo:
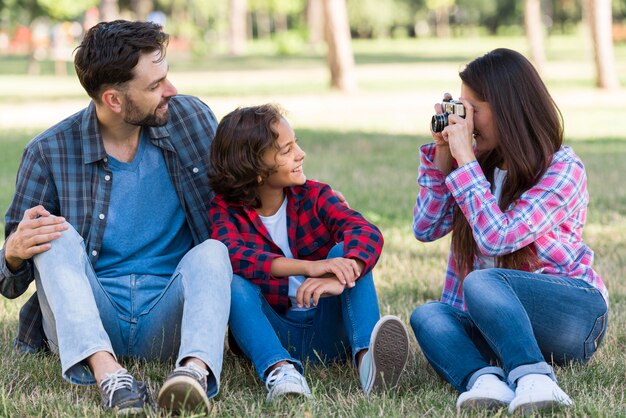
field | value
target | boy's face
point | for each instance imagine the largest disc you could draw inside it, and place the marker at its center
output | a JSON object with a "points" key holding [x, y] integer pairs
{"points": [[148, 93], [287, 160]]}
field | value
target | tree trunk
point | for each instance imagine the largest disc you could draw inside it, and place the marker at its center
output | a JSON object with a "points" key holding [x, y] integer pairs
{"points": [[535, 33], [141, 8], [600, 21], [340, 57], [238, 26], [315, 22], [280, 23], [263, 24], [442, 18], [109, 10]]}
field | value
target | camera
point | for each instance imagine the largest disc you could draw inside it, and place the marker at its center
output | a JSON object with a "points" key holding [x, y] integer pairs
{"points": [[440, 121]]}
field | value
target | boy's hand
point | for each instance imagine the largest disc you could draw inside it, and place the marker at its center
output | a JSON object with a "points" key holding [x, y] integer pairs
{"points": [[314, 288], [345, 270]]}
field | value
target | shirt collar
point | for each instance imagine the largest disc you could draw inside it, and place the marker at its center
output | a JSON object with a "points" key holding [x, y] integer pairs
{"points": [[93, 146]]}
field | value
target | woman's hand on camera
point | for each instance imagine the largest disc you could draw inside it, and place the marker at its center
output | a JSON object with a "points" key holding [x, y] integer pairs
{"points": [[443, 157], [458, 134]]}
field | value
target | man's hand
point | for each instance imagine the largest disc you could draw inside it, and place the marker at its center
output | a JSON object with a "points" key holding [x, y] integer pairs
{"points": [[314, 288], [345, 270], [32, 236]]}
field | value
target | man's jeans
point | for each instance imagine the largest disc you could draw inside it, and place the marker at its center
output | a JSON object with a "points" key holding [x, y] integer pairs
{"points": [[148, 317], [520, 320], [326, 333]]}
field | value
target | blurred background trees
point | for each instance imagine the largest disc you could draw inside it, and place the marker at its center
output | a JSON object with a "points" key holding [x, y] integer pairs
{"points": [[50, 29]]}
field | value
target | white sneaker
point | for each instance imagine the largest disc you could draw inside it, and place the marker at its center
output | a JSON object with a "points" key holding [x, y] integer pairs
{"points": [[388, 352], [537, 391], [284, 380], [487, 392]]}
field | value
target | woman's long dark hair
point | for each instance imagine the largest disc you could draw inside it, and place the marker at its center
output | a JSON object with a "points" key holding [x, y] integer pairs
{"points": [[530, 129], [241, 139]]}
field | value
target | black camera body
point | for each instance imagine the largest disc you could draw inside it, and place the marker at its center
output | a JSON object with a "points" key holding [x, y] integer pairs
{"points": [[440, 120]]}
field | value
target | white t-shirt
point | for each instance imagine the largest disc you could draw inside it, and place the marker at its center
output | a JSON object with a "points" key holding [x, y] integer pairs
{"points": [[486, 262], [276, 225]]}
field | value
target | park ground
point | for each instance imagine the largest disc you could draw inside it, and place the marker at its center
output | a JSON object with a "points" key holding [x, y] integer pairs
{"points": [[366, 146]]}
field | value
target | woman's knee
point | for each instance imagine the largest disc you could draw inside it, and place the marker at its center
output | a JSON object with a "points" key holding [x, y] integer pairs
{"points": [[431, 318]]}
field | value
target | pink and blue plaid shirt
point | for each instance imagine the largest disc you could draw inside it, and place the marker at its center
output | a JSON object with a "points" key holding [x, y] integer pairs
{"points": [[549, 215]]}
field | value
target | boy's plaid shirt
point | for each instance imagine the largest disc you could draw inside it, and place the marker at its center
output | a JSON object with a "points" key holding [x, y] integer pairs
{"points": [[550, 216], [316, 221]]}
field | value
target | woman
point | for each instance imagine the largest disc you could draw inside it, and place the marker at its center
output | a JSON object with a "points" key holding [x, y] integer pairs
{"points": [[520, 290]]}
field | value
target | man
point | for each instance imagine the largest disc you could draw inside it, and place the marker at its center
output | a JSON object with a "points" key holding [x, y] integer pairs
{"points": [[110, 218]]}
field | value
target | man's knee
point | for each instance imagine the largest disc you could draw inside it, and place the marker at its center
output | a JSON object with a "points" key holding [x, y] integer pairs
{"points": [[211, 255]]}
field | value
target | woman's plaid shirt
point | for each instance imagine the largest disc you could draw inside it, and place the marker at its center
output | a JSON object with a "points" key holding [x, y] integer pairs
{"points": [[550, 216]]}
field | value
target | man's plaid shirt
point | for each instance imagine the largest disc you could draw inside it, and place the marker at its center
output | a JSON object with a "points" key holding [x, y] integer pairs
{"points": [[316, 221], [66, 170]]}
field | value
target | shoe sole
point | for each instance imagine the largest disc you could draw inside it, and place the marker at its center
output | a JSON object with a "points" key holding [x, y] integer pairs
{"points": [[390, 351], [131, 411], [526, 409], [489, 404], [182, 393]]}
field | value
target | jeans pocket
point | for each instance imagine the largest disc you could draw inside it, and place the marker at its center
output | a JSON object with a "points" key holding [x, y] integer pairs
{"points": [[596, 335]]}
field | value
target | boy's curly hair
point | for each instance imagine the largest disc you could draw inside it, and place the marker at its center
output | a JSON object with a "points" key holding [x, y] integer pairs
{"points": [[237, 150]]}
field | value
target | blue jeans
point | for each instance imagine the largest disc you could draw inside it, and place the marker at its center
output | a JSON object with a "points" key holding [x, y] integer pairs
{"points": [[324, 334], [150, 317], [516, 319]]}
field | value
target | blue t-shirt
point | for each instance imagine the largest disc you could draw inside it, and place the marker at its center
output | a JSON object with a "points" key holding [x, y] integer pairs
{"points": [[146, 230]]}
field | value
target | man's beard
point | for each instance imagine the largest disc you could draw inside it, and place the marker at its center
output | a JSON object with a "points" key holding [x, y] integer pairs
{"points": [[134, 116]]}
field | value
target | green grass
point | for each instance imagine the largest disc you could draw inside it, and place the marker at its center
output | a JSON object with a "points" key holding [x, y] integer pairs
{"points": [[365, 146]]}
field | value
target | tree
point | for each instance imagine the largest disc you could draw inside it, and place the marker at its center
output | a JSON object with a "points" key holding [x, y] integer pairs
{"points": [[535, 32], [315, 21], [599, 18], [340, 57], [141, 8], [237, 34], [109, 10]]}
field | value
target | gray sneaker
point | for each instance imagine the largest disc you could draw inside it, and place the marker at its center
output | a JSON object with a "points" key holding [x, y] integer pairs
{"points": [[286, 380], [388, 352], [185, 389], [121, 392]]}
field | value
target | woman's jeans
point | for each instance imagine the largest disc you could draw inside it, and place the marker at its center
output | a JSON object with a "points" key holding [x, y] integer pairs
{"points": [[141, 316], [519, 320], [322, 334]]}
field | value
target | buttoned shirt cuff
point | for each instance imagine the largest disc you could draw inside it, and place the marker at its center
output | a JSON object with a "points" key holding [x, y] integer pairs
{"points": [[464, 179], [22, 274]]}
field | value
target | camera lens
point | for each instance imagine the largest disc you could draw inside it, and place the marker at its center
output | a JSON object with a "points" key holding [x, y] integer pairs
{"points": [[438, 122]]}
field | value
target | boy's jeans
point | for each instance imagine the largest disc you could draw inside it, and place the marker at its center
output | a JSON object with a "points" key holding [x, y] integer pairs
{"points": [[149, 317], [325, 333], [520, 319]]}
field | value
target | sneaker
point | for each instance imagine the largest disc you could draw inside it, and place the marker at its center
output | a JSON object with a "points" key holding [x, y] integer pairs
{"points": [[388, 352], [487, 392], [284, 380], [537, 391], [121, 392], [185, 389]]}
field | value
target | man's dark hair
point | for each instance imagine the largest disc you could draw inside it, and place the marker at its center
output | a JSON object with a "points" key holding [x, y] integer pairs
{"points": [[110, 50], [241, 139]]}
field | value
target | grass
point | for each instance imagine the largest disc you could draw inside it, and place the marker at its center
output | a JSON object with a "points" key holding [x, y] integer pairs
{"points": [[366, 146]]}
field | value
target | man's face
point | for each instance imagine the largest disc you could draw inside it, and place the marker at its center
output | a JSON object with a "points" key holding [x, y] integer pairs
{"points": [[146, 97]]}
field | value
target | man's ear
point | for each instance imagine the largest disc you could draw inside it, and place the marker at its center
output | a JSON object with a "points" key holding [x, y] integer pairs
{"points": [[112, 98]]}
